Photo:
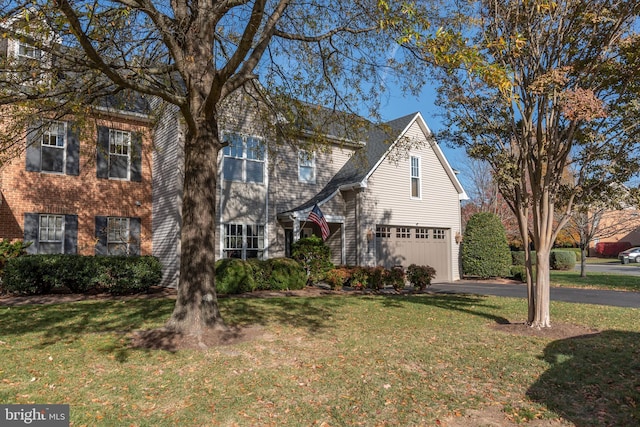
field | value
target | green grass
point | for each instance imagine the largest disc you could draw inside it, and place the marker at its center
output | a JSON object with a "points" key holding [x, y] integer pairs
{"points": [[595, 280], [337, 360]]}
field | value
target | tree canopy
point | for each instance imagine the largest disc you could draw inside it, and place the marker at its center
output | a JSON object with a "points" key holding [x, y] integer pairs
{"points": [[558, 119]]}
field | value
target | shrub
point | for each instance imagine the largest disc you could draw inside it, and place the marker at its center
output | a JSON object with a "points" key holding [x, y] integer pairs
{"points": [[337, 277], [261, 272], [517, 258], [562, 260], [314, 256], [376, 277], [519, 272], [286, 274], [37, 274], [611, 249], [394, 278], [10, 249], [485, 251], [359, 278], [420, 276], [234, 276]]}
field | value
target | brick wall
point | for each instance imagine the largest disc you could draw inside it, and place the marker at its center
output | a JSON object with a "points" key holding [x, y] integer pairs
{"points": [[84, 195]]}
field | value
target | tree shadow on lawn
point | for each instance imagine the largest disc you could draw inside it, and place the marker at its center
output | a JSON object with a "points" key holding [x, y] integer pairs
{"points": [[594, 380], [68, 322], [470, 304]]}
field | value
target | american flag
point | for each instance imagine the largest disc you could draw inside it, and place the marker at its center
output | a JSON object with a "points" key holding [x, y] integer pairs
{"points": [[316, 216]]}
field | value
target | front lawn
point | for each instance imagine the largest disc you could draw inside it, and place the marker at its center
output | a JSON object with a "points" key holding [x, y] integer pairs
{"points": [[334, 360], [595, 280]]}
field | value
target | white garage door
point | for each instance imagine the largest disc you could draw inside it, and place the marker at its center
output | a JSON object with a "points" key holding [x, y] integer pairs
{"points": [[415, 245]]}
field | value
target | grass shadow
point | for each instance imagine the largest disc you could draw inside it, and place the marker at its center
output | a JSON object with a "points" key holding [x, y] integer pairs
{"points": [[465, 303], [593, 379]]}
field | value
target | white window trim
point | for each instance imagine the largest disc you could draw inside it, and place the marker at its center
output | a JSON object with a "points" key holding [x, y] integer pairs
{"points": [[47, 133], [37, 52], [245, 158], [127, 228], [418, 177], [129, 145], [62, 231], [244, 247], [311, 158]]}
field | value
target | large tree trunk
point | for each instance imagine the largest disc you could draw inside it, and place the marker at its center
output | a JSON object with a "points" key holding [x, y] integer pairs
{"points": [[196, 307]]}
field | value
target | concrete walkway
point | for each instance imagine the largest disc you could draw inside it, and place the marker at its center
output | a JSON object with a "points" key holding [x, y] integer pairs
{"points": [[579, 295]]}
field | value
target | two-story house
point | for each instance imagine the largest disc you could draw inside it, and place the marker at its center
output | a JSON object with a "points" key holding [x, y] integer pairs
{"points": [[389, 197]]}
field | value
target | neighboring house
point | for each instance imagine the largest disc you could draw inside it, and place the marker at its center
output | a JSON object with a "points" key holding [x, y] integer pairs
{"points": [[390, 199], [81, 191]]}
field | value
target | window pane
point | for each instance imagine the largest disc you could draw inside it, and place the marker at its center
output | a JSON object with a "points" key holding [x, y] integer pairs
{"points": [[234, 149], [415, 187], [255, 150], [232, 169], [255, 171], [52, 159], [118, 166]]}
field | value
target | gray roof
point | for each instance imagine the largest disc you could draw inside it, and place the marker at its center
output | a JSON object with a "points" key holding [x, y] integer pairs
{"points": [[378, 141]]}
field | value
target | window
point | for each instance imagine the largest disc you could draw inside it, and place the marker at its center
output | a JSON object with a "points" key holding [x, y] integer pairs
{"points": [[306, 167], [119, 154], [439, 233], [117, 235], [53, 147], [415, 177], [243, 159], [26, 51], [422, 233], [383, 232], [51, 233], [243, 241], [403, 233]]}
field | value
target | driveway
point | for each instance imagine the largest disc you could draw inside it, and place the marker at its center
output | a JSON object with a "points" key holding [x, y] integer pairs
{"points": [[579, 295]]}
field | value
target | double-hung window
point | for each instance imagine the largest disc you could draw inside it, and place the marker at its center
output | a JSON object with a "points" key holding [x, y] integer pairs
{"points": [[52, 148], [306, 167], [243, 158], [119, 154], [117, 236], [26, 51], [415, 177], [51, 233], [243, 241]]}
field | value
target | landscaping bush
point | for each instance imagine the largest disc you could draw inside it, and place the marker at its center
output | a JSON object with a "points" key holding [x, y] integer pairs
{"points": [[394, 277], [611, 249], [517, 258], [338, 277], [420, 276], [519, 272], [376, 277], [38, 274], [286, 274], [10, 249], [485, 251], [314, 255], [234, 276], [359, 277], [561, 259]]}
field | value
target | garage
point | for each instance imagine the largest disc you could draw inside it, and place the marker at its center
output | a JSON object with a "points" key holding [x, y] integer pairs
{"points": [[404, 245]]}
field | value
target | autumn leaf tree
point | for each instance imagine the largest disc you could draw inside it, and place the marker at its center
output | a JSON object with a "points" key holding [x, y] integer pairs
{"points": [[193, 55], [566, 98]]}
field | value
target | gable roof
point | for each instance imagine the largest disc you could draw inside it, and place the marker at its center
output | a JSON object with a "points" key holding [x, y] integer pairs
{"points": [[380, 141]]}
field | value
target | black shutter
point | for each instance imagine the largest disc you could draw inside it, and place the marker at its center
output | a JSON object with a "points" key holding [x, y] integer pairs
{"points": [[70, 234], [31, 227], [101, 236], [102, 153], [73, 150], [134, 236], [34, 141], [136, 157]]}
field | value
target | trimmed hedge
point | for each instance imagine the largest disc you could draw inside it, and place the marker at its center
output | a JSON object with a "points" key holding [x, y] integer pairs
{"points": [[517, 258], [485, 252], [314, 255], [40, 274], [562, 260], [420, 276], [236, 276]]}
